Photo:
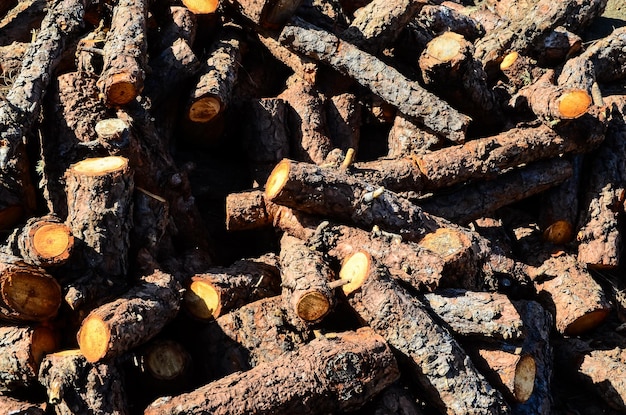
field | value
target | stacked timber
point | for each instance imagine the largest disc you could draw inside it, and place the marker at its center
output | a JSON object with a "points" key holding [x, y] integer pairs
{"points": [[312, 207]]}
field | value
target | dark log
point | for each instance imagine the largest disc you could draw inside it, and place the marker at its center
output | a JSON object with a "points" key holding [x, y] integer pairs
{"points": [[123, 74], [132, 319], [19, 407], [329, 374], [408, 96], [305, 68], [268, 14], [17, 25], [433, 357], [406, 138], [343, 120], [74, 385]]}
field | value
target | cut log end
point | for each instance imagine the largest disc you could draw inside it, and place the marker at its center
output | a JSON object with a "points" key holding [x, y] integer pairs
{"points": [[121, 90], [52, 242], [575, 103], [202, 300], [99, 166], [509, 60], [445, 47], [111, 129], [43, 341], [524, 383], [201, 6], [560, 232], [34, 297], [204, 109], [313, 306], [166, 360], [587, 322], [93, 338], [355, 269], [446, 242], [277, 179]]}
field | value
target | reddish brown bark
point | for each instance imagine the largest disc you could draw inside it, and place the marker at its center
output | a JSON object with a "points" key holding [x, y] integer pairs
{"points": [[406, 138], [343, 120], [322, 376], [19, 407]]}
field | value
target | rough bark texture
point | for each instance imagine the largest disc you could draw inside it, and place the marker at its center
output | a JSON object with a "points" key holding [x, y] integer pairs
{"points": [[267, 137], [435, 359], [231, 287], [19, 407], [212, 92], [132, 319], [248, 210], [406, 138], [268, 14], [99, 192], [123, 74], [398, 175], [310, 141], [76, 386], [328, 192], [343, 119], [383, 80], [329, 374], [23, 349], [306, 68], [484, 157], [27, 292]]}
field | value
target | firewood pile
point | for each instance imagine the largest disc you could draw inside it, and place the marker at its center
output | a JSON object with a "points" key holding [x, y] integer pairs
{"points": [[312, 207]]}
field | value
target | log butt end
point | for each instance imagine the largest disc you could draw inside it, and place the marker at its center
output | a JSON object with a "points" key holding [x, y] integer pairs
{"points": [[93, 338], [574, 103], [120, 89], [560, 232], [202, 299], [52, 242], [524, 383], [166, 360], [508, 60], [204, 109], [99, 166], [355, 270], [277, 179], [43, 341], [313, 306], [201, 6], [587, 322], [33, 296]]}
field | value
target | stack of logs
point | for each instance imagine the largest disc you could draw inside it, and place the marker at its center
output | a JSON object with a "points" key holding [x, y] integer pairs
{"points": [[311, 207]]}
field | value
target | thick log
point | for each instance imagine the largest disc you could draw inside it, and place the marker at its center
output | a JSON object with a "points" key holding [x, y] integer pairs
{"points": [[248, 209], [408, 96], [343, 120], [43, 241], [74, 385], [123, 74], [486, 157], [310, 140], [99, 192], [23, 349], [307, 295], [221, 289], [329, 374], [406, 138], [268, 14], [20, 110], [18, 407], [479, 199], [539, 22], [323, 191], [599, 237], [132, 319], [27, 292], [434, 358], [212, 93], [551, 102], [378, 24], [256, 333], [399, 175]]}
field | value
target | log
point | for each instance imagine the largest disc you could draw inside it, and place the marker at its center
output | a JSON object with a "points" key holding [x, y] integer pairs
{"points": [[201, 6], [211, 94], [23, 349], [433, 357], [11, 61], [43, 241], [321, 191], [248, 209], [558, 47], [254, 334], [343, 120], [406, 138], [131, 320], [513, 373], [310, 141], [480, 199], [99, 192], [408, 96], [519, 71], [27, 292], [395, 174], [123, 74], [18, 23], [20, 110], [303, 67], [266, 135], [327, 14], [394, 400], [74, 385], [486, 157], [552, 103], [307, 295], [599, 237], [377, 25], [221, 289], [329, 374], [267, 14]]}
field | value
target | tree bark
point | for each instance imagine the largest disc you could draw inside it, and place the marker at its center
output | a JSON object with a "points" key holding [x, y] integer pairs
{"points": [[304, 67], [75, 385], [406, 138], [343, 119], [23, 349], [123, 74], [131, 320], [408, 96], [329, 374], [433, 357], [19, 407], [268, 14]]}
